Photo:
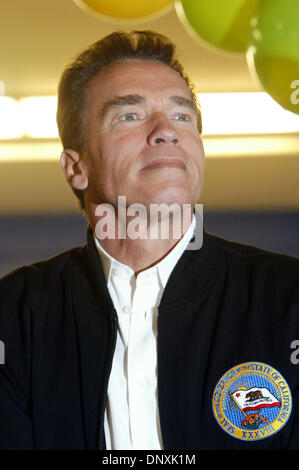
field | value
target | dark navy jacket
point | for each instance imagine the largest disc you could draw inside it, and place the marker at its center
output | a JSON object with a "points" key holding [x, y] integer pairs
{"points": [[224, 304]]}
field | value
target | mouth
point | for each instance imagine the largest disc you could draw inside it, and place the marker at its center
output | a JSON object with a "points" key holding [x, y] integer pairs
{"points": [[165, 163]]}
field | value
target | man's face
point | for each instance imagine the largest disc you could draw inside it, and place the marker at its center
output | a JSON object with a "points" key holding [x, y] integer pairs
{"points": [[142, 137]]}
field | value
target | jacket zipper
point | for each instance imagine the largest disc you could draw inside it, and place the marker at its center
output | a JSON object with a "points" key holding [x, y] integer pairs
{"points": [[107, 375]]}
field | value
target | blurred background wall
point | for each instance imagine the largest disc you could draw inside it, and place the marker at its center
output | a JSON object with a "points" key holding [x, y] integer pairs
{"points": [[26, 239]]}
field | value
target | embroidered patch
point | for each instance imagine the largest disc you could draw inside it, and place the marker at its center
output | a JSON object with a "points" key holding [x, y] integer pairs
{"points": [[252, 401]]}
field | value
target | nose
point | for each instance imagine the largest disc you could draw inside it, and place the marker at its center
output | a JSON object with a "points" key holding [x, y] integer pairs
{"points": [[162, 131]]}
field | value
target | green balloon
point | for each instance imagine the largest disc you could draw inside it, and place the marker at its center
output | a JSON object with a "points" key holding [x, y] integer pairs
{"points": [[273, 52], [224, 24]]}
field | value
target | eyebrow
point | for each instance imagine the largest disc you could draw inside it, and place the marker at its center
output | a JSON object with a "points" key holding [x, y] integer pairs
{"points": [[182, 101], [120, 101]]}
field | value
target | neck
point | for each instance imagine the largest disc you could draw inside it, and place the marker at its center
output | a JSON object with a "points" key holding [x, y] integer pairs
{"points": [[140, 242]]}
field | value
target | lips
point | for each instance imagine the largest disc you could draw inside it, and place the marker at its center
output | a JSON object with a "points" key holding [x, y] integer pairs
{"points": [[165, 163]]}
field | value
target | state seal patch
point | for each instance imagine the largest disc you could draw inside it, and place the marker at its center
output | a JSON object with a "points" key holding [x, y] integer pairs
{"points": [[252, 401]]}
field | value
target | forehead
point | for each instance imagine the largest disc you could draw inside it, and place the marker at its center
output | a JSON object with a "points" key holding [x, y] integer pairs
{"points": [[143, 77]]}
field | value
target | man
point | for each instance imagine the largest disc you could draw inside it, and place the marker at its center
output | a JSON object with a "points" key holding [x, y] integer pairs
{"points": [[142, 342]]}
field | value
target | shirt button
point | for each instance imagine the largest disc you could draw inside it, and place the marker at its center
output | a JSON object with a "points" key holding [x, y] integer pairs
{"points": [[119, 272], [126, 309], [141, 382]]}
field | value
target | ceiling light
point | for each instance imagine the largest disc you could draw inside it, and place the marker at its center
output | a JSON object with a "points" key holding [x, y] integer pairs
{"points": [[2, 88], [10, 125], [30, 151], [38, 115], [222, 114], [244, 113]]}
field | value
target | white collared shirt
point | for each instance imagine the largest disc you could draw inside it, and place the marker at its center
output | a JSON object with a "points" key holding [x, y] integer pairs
{"points": [[132, 416]]}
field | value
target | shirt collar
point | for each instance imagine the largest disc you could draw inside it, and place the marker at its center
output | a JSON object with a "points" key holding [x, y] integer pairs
{"points": [[163, 268], [166, 265]]}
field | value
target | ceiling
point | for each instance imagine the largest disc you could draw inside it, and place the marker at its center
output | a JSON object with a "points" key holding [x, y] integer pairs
{"points": [[38, 38]]}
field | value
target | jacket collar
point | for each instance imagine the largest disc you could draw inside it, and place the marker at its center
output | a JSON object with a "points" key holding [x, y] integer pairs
{"points": [[162, 269], [192, 272]]}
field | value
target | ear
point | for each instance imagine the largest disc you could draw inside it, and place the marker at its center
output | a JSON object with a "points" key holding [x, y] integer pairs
{"points": [[74, 169]]}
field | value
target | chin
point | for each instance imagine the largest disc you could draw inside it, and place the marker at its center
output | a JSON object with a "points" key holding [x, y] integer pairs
{"points": [[171, 196]]}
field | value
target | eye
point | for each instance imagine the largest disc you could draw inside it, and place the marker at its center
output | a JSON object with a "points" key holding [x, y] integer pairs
{"points": [[182, 117], [128, 117]]}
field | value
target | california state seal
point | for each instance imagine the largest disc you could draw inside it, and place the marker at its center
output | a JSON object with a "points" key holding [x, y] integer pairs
{"points": [[252, 401]]}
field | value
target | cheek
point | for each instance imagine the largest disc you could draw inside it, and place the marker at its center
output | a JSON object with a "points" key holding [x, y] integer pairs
{"points": [[124, 151], [196, 152], [115, 166]]}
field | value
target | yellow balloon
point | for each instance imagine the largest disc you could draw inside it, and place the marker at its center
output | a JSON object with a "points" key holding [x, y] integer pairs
{"points": [[224, 24], [124, 9], [273, 50]]}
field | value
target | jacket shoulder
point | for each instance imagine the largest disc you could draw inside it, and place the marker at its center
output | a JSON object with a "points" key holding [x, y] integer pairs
{"points": [[243, 250], [37, 274], [257, 259]]}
